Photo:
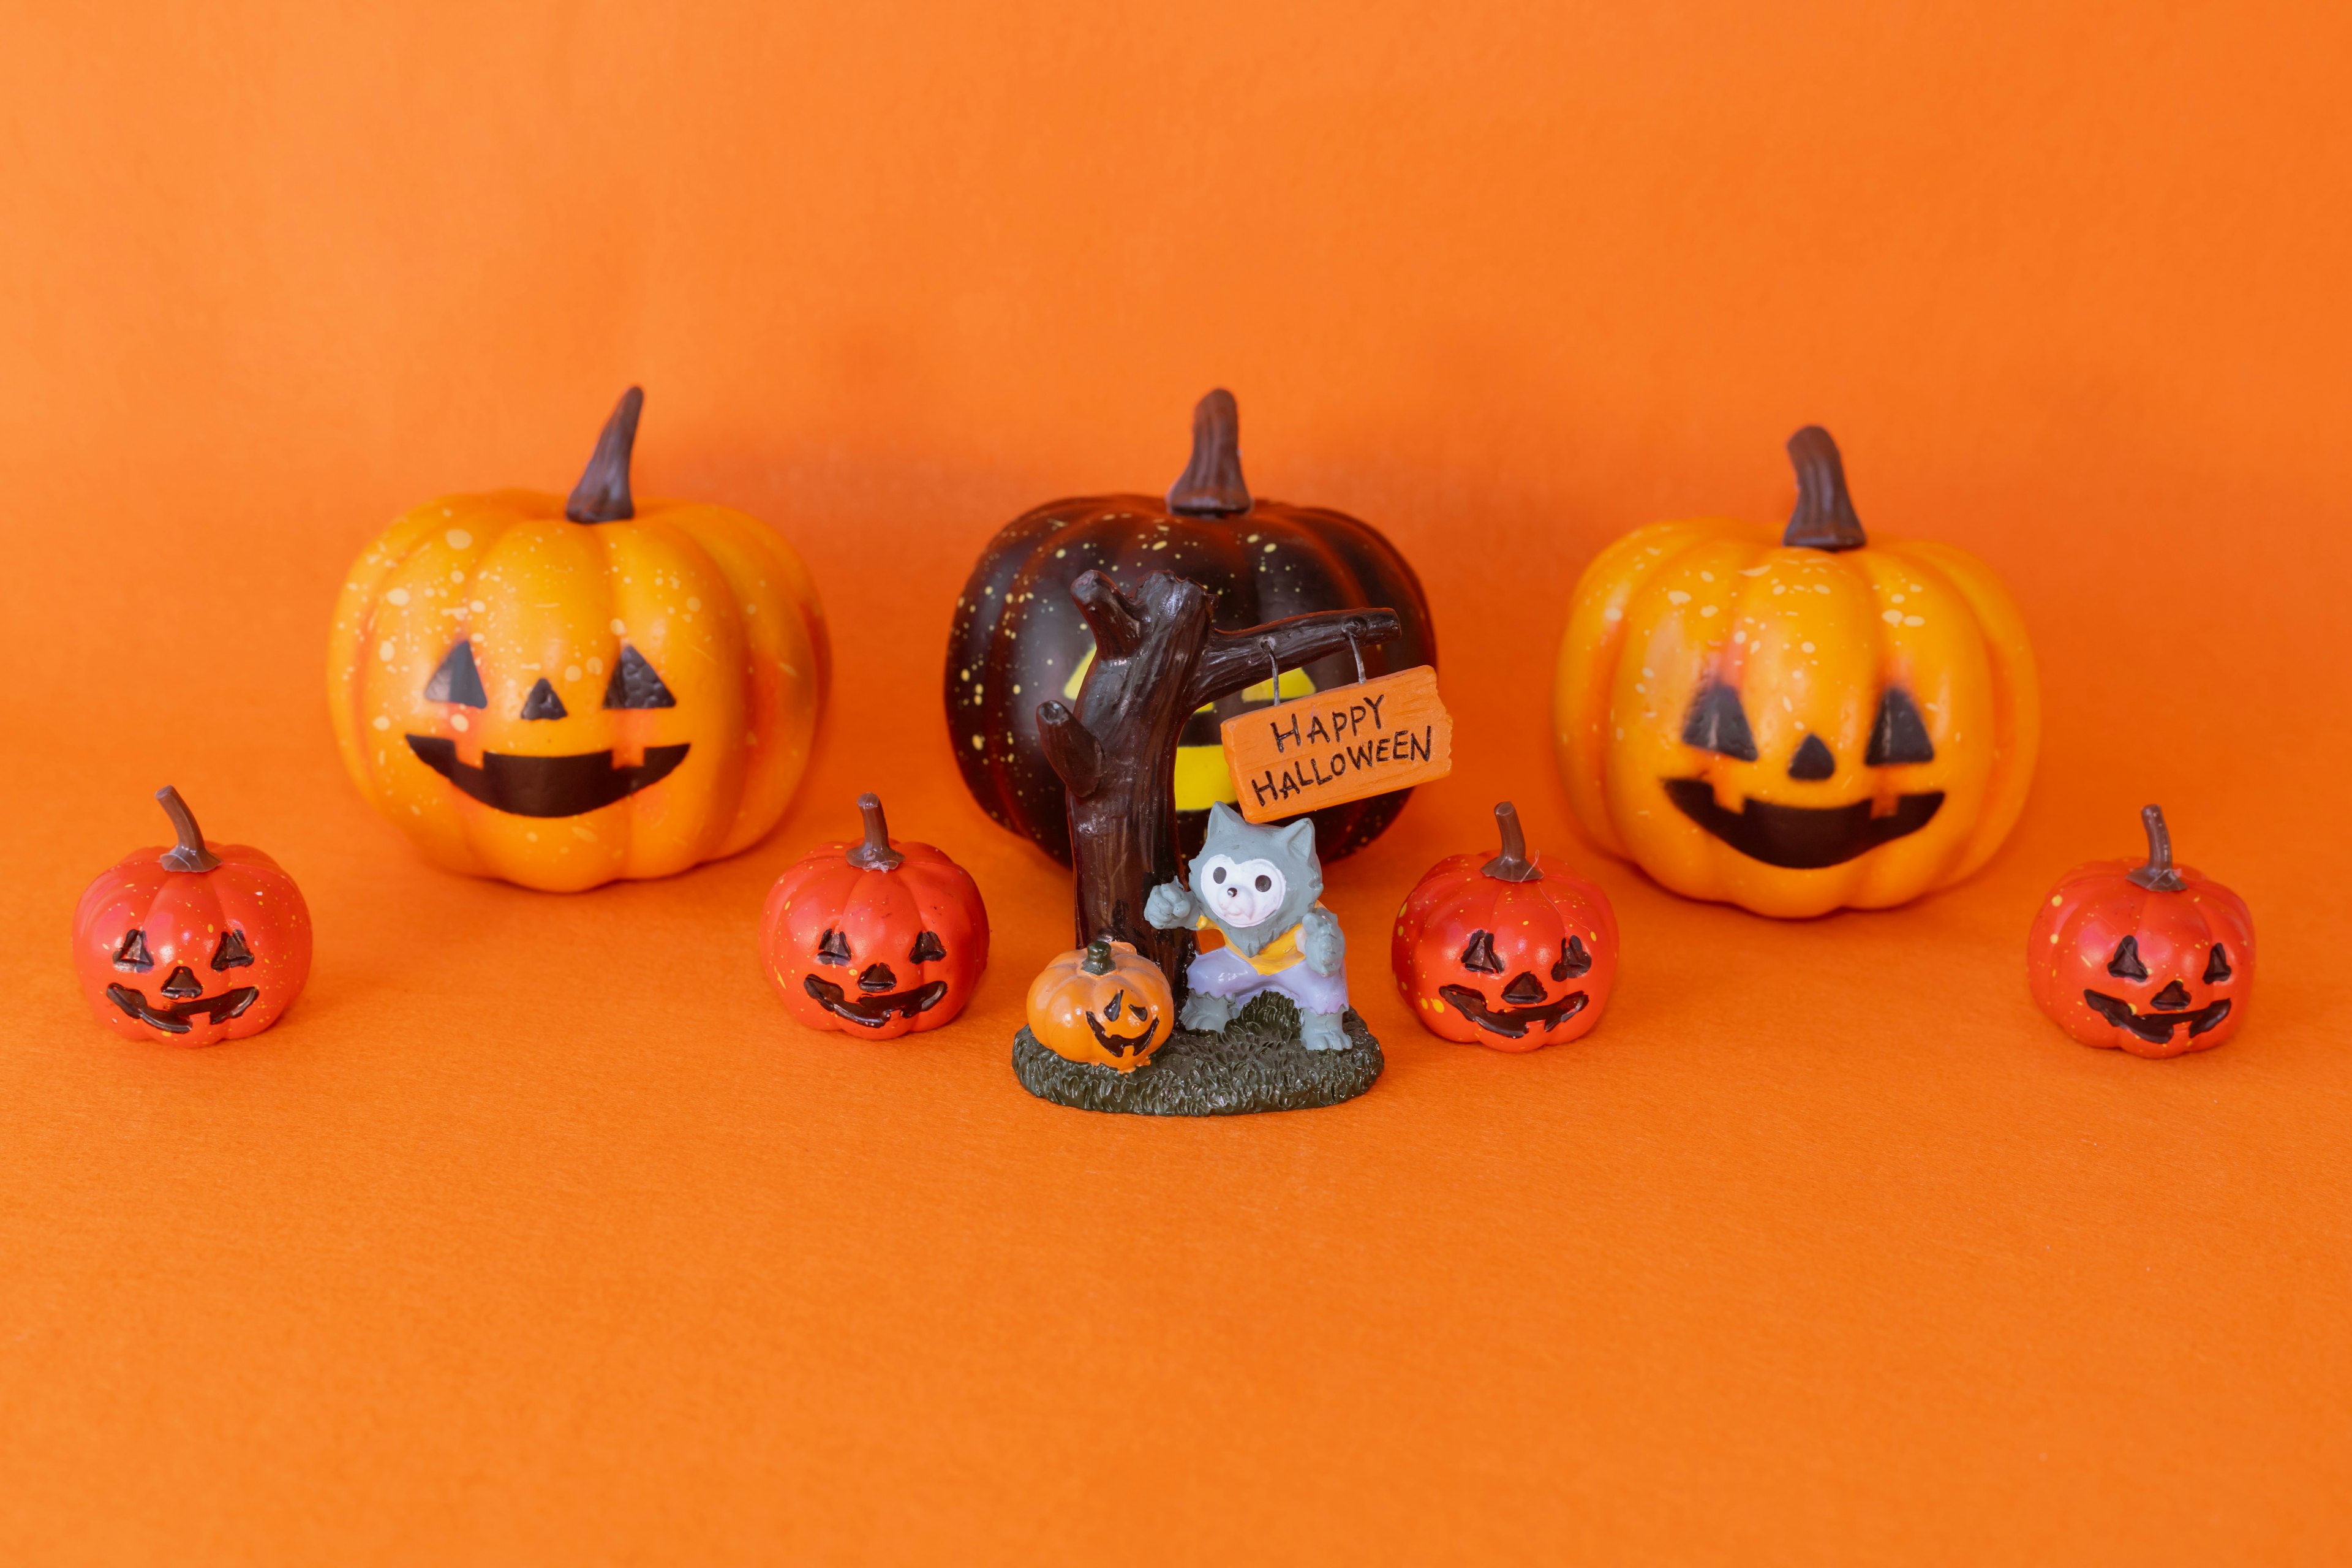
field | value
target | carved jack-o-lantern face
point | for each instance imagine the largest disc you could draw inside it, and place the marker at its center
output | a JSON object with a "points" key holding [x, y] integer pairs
{"points": [[1104, 1003], [1796, 836], [880, 995], [528, 783], [1502, 951], [2155, 959], [1799, 724], [881, 938]]}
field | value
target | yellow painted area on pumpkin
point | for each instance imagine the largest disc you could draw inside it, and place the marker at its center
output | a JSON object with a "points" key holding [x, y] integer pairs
{"points": [[1201, 778]]}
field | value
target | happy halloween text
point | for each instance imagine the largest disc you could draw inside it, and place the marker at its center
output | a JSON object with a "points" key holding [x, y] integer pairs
{"points": [[1357, 741]]}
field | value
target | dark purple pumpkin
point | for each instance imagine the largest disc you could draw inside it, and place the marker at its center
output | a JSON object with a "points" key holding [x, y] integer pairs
{"points": [[1019, 641]]}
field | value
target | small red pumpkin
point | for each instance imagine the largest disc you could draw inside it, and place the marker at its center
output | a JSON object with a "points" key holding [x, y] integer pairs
{"points": [[875, 938], [222, 926], [1503, 953], [2154, 959]]}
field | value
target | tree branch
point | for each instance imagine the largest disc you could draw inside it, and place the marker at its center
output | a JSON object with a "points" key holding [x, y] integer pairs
{"points": [[1114, 618], [1069, 747], [1233, 660]]}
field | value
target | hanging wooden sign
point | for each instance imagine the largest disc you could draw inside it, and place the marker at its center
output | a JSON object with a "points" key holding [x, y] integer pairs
{"points": [[1340, 745]]}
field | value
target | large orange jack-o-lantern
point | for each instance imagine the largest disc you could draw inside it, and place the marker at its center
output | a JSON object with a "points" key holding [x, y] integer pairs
{"points": [[1504, 952], [879, 937], [193, 944], [564, 692], [2155, 959], [1796, 724]]}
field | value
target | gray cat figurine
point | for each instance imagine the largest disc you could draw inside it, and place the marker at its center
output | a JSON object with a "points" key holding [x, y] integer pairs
{"points": [[1258, 885]]}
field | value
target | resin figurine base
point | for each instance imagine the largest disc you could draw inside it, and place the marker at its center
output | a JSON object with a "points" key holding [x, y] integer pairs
{"points": [[1256, 1064]]}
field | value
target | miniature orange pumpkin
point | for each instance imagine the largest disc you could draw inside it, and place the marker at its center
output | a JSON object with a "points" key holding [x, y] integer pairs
{"points": [[1102, 1003], [2155, 959], [879, 938], [564, 692], [1503, 951], [1796, 724]]}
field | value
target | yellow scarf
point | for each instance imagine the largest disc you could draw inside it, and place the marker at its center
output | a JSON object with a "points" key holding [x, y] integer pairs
{"points": [[1272, 958]]}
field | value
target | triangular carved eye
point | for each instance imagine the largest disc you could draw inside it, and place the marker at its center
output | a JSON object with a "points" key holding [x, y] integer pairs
{"points": [[1111, 1012], [2126, 963], [543, 703], [634, 684], [1900, 735], [927, 949], [459, 679], [1718, 723], [1573, 960], [133, 953], [231, 952], [1479, 953], [833, 947], [2217, 965]]}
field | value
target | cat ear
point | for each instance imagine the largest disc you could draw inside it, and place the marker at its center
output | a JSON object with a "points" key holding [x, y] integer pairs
{"points": [[1299, 838], [1222, 818]]}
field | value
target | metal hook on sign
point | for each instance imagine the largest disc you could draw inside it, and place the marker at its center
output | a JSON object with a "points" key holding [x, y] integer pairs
{"points": [[1356, 648], [1274, 671]]}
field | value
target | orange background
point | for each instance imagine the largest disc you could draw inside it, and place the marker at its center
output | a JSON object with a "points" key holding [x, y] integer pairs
{"points": [[536, 1232]]}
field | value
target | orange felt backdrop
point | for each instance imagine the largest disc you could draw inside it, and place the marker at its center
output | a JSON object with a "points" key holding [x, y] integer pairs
{"points": [[536, 1232]]}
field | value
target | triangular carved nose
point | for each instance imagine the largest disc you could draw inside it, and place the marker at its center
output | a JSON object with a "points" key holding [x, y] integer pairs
{"points": [[2172, 998], [1525, 990], [1813, 760], [543, 703], [182, 981]]}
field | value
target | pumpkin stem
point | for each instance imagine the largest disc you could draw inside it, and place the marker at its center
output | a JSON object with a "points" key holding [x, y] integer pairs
{"points": [[2160, 875], [603, 493], [1824, 517], [189, 854], [1098, 956], [1512, 865], [874, 854], [1211, 485]]}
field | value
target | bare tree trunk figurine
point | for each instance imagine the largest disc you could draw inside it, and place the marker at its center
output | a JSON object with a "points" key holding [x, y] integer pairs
{"points": [[1156, 662]]}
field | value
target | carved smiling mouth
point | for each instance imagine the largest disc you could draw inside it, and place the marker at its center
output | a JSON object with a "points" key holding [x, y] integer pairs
{"points": [[1512, 1022], [1802, 837], [2156, 1028], [1119, 1045], [174, 1019], [545, 786], [872, 1011]]}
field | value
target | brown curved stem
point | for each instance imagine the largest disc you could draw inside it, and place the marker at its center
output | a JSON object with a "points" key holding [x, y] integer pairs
{"points": [[189, 854], [1512, 865], [874, 854], [1824, 517], [1211, 485], [603, 493], [2160, 875], [1098, 956]]}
